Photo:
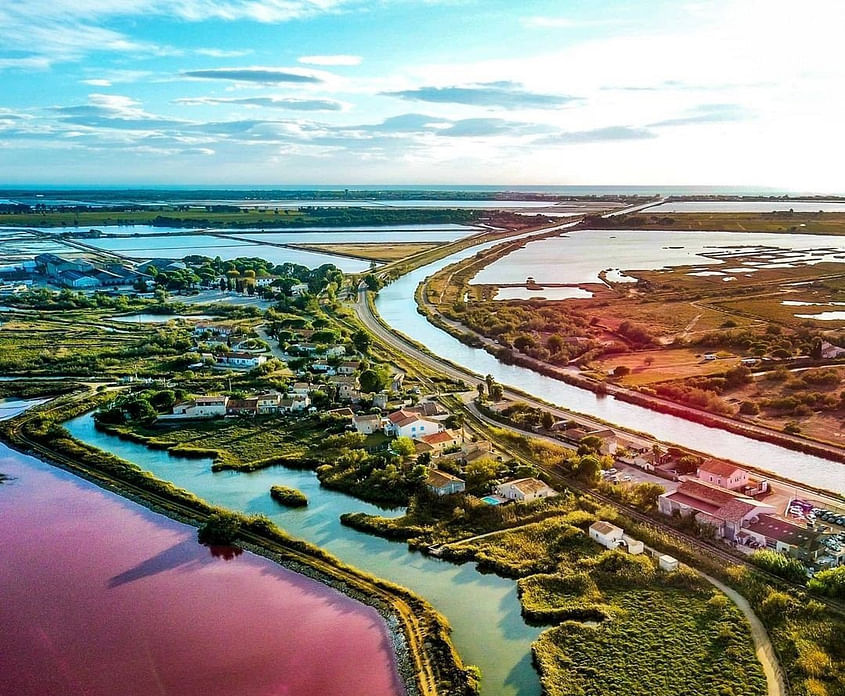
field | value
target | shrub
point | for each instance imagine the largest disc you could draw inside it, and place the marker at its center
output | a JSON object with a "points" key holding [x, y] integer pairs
{"points": [[290, 497], [778, 564]]}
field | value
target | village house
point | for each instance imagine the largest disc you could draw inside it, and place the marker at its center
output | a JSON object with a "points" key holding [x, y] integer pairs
{"points": [[525, 490], [240, 361], [610, 441], [367, 423], [429, 409], [442, 483], [403, 423], [299, 289], [219, 330], [242, 407], [201, 407], [347, 387], [380, 400], [301, 388], [437, 442], [268, 402], [345, 412], [294, 404], [265, 281], [348, 367], [606, 534], [723, 474], [726, 511]]}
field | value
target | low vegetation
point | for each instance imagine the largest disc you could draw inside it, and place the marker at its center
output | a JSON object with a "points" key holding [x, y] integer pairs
{"points": [[289, 497]]}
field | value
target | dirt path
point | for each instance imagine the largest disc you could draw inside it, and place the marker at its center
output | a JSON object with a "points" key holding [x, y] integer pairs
{"points": [[762, 644]]}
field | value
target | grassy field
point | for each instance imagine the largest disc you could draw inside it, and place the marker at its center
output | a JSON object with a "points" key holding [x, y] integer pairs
{"points": [[72, 343], [246, 217], [650, 366], [659, 642], [238, 442], [375, 251], [803, 223]]}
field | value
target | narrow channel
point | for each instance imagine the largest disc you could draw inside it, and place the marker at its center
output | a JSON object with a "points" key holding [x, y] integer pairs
{"points": [[470, 600]]}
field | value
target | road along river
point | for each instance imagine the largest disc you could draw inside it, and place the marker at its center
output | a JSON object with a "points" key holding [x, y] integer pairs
{"points": [[396, 305]]}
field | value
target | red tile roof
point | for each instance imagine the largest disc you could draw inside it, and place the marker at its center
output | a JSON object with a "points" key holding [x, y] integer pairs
{"points": [[437, 438], [719, 468]]}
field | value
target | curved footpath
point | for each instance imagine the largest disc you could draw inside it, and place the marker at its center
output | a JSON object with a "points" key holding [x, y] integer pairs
{"points": [[763, 647]]}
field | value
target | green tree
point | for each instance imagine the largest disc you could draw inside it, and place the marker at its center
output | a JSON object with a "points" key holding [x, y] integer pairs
{"points": [[371, 381], [220, 528], [480, 388], [779, 564], [547, 420], [480, 472], [588, 468], [497, 392], [404, 447], [830, 582], [362, 341]]}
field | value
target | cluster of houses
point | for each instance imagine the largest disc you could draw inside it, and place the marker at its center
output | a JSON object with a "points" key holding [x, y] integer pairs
{"points": [[270, 402], [722, 496]]}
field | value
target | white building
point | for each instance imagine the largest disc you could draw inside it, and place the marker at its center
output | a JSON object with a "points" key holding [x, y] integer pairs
{"points": [[723, 474], [299, 289], [667, 563], [241, 360], [406, 424], [294, 404], [606, 534], [367, 423], [202, 407], [301, 388], [268, 402], [525, 489]]}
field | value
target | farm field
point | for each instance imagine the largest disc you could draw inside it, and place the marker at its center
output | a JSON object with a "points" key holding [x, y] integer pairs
{"points": [[783, 221], [374, 251]]}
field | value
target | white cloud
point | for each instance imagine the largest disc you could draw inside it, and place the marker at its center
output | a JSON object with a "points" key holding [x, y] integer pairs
{"points": [[221, 53], [339, 59], [97, 82]]}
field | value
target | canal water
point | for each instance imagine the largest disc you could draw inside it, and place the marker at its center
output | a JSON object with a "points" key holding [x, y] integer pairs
{"points": [[102, 596], [396, 305], [483, 610]]}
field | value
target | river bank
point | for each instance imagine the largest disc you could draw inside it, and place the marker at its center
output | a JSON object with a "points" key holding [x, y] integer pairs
{"points": [[396, 307]]}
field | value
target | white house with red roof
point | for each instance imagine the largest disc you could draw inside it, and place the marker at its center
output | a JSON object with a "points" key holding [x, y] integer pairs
{"points": [[403, 423], [723, 474]]}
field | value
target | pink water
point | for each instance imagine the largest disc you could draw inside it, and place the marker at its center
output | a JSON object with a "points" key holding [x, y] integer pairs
{"points": [[99, 596]]}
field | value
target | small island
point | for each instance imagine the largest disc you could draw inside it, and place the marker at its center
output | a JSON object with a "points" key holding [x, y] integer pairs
{"points": [[289, 497]]}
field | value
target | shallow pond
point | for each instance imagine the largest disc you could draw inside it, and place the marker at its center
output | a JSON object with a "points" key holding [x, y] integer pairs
{"points": [[102, 596]]}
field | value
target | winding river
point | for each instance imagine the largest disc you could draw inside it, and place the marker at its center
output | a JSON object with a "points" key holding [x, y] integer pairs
{"points": [[396, 305], [483, 610]]}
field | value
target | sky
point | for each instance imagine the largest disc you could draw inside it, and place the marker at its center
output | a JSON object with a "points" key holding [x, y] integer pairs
{"points": [[497, 92]]}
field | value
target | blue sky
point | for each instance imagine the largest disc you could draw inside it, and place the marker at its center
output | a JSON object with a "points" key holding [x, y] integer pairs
{"points": [[740, 92]]}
